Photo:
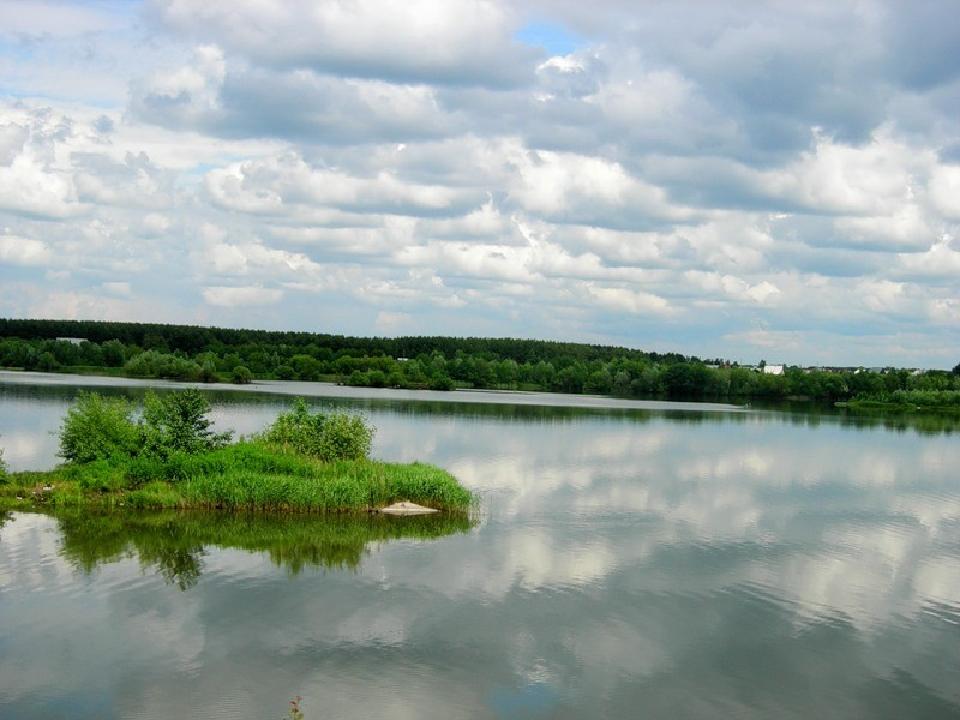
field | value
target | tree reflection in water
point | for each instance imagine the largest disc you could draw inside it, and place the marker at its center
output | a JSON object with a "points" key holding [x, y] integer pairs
{"points": [[175, 542]]}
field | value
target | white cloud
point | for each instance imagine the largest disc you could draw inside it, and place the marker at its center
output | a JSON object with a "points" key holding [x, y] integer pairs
{"points": [[241, 296], [420, 40], [12, 139], [627, 300], [38, 19], [23, 251], [30, 188], [267, 185], [119, 288], [945, 190], [568, 187], [678, 180]]}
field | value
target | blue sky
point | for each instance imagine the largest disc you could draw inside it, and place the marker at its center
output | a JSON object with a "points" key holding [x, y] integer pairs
{"points": [[723, 179], [554, 39]]}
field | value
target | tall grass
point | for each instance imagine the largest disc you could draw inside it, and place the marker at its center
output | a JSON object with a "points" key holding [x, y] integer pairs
{"points": [[171, 458], [246, 475]]}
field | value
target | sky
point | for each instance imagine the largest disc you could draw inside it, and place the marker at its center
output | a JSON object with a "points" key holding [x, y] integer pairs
{"points": [[776, 181]]}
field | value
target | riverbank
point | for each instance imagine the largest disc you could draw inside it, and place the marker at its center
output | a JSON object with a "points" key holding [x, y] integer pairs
{"points": [[900, 407], [243, 476]]}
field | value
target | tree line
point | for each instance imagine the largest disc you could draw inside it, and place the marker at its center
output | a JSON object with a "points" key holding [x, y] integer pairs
{"points": [[203, 354]]}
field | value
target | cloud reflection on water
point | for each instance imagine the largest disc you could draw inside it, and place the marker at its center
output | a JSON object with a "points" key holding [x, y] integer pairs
{"points": [[745, 568]]}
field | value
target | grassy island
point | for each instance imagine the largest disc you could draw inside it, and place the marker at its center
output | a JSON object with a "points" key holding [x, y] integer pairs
{"points": [[903, 401], [166, 456]]}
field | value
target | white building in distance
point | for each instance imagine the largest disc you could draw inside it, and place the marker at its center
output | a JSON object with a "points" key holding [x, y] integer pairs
{"points": [[773, 369]]}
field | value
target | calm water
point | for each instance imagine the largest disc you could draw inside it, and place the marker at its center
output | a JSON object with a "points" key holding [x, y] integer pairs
{"points": [[634, 560]]}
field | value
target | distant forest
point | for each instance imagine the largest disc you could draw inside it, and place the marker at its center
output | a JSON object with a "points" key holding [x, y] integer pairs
{"points": [[204, 354]]}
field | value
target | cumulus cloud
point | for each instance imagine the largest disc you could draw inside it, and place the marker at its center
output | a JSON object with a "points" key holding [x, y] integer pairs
{"points": [[446, 41], [240, 296], [30, 188], [709, 179], [23, 251]]}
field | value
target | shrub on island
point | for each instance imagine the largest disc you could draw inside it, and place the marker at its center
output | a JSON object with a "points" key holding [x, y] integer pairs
{"points": [[168, 455]]}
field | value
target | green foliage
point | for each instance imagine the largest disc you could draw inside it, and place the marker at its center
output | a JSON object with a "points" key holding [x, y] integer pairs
{"points": [[297, 430], [47, 362], [96, 428], [154, 364], [927, 398], [345, 437], [3, 469], [208, 371], [441, 382], [178, 422], [439, 363], [337, 436], [247, 475], [241, 375]]}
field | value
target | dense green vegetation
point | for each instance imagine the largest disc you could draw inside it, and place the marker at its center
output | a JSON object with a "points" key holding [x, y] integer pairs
{"points": [[440, 363], [169, 457]]}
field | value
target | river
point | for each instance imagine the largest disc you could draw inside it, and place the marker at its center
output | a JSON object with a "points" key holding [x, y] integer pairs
{"points": [[628, 559]]}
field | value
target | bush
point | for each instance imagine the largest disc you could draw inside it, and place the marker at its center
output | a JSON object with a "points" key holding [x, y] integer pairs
{"points": [[178, 422], [441, 382], [298, 430], [153, 364], [241, 375], [345, 437], [208, 371], [97, 428], [338, 436], [3, 469]]}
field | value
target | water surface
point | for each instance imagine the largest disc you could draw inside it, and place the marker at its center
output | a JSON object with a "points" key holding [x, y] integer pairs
{"points": [[629, 560]]}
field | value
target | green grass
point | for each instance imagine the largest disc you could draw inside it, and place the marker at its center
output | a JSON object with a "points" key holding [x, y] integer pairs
{"points": [[246, 475], [900, 406]]}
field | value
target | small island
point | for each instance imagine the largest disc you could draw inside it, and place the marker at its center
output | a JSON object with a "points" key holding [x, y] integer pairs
{"points": [[165, 455]]}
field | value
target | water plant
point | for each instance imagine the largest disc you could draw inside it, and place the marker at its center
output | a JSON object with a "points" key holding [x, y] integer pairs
{"points": [[295, 713]]}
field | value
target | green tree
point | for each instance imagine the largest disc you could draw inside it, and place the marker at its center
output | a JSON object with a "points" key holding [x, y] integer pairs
{"points": [[306, 367], [178, 422], [113, 353], [241, 375], [96, 428], [208, 371], [47, 362]]}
